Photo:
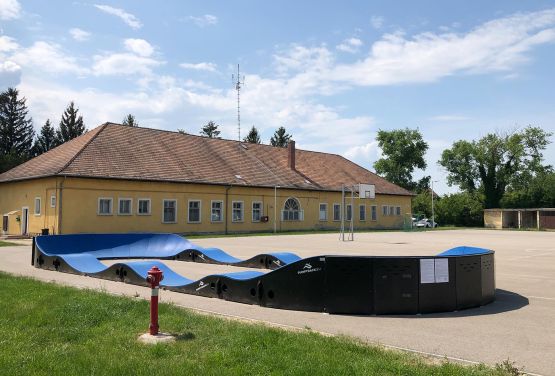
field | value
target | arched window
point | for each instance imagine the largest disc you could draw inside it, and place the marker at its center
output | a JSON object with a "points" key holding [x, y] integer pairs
{"points": [[292, 210]]}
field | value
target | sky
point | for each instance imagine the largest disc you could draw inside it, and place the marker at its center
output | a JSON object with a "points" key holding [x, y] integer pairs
{"points": [[331, 73]]}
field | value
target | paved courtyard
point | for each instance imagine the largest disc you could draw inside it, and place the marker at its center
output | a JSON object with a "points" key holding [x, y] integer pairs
{"points": [[519, 325]]}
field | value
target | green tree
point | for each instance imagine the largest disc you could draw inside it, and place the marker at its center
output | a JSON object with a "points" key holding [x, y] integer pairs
{"points": [[403, 151], [422, 203], [71, 125], [210, 130], [496, 162], [460, 209], [46, 140], [539, 193], [130, 121], [16, 130], [280, 138], [253, 137]]}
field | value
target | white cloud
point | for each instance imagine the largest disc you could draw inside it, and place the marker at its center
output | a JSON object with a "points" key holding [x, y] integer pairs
{"points": [[128, 18], [79, 34], [365, 154], [210, 67], [377, 22], [9, 10], [9, 67], [350, 45], [452, 117], [139, 46], [498, 45], [48, 57], [7, 44], [206, 20], [123, 64]]}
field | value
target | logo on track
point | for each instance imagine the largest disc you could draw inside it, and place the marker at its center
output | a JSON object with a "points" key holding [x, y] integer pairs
{"points": [[308, 268], [201, 285]]}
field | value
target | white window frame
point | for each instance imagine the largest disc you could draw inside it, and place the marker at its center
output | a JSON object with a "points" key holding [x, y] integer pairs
{"points": [[300, 211], [398, 211], [385, 210], [374, 217], [149, 206], [391, 210], [348, 217], [362, 218], [333, 214], [37, 214], [261, 209], [242, 211], [325, 211], [221, 211], [111, 199], [199, 211], [120, 199], [163, 210], [52, 201]]}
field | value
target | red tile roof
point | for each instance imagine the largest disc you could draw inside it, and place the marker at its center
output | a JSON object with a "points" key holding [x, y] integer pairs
{"points": [[134, 153]]}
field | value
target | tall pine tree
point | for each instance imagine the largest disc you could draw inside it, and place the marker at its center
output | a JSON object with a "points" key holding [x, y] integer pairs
{"points": [[280, 138], [71, 125], [210, 130], [46, 140], [130, 121], [253, 137], [16, 130]]}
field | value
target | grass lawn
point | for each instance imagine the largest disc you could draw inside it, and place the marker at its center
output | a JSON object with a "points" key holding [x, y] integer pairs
{"points": [[49, 329], [7, 244]]}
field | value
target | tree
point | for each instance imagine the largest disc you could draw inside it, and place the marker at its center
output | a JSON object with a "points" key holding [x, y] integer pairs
{"points": [[16, 130], [130, 121], [460, 209], [280, 138], [71, 125], [182, 131], [403, 150], [496, 162], [253, 137], [539, 193], [210, 130], [46, 139]]}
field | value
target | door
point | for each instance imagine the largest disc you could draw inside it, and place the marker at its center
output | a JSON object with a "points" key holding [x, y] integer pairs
{"points": [[24, 220]]}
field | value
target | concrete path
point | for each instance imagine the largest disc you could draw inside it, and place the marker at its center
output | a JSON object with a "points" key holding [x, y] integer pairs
{"points": [[519, 325]]}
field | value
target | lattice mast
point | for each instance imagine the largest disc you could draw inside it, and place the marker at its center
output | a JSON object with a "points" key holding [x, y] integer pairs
{"points": [[238, 82]]}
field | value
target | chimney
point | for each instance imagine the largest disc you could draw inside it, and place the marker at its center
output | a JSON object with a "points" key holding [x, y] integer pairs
{"points": [[291, 154]]}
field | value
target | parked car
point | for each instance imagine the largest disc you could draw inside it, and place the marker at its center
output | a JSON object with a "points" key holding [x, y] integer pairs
{"points": [[425, 222]]}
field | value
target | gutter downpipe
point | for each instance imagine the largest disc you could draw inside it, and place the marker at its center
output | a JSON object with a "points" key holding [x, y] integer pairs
{"points": [[226, 205], [60, 205], [275, 209]]}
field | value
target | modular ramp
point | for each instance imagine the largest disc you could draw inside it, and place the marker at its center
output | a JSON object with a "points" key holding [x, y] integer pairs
{"points": [[458, 278]]}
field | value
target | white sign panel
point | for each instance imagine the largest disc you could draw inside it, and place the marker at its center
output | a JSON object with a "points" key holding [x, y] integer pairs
{"points": [[427, 271], [442, 270]]}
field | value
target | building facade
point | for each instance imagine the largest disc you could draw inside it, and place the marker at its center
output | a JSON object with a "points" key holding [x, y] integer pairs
{"points": [[125, 179]]}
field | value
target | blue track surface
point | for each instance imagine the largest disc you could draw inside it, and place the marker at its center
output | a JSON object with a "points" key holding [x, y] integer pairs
{"points": [[464, 251]]}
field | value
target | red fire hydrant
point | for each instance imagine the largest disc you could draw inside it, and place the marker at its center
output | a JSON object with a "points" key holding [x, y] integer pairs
{"points": [[154, 278]]}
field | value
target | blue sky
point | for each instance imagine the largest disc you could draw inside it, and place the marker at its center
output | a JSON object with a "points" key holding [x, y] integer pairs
{"points": [[332, 74]]}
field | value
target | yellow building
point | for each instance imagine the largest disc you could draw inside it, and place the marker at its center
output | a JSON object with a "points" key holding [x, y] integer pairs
{"points": [[126, 179]]}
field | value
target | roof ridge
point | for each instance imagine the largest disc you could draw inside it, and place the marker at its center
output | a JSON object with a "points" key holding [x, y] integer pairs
{"points": [[102, 127]]}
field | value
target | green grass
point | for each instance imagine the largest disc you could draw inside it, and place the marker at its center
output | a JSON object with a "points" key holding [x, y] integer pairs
{"points": [[52, 330], [7, 244]]}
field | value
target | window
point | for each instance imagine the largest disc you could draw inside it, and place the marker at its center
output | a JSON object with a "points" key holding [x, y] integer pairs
{"points": [[256, 211], [170, 211], [374, 213], [398, 210], [37, 205], [105, 206], [292, 210], [143, 206], [237, 213], [385, 210], [323, 216], [217, 211], [5, 219], [392, 210], [349, 215], [336, 212], [362, 212], [124, 206], [194, 211], [53, 201]]}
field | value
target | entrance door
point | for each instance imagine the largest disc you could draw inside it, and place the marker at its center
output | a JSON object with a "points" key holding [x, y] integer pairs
{"points": [[24, 221]]}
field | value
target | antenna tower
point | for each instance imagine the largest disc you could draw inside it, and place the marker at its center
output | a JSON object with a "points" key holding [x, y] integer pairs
{"points": [[239, 82]]}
